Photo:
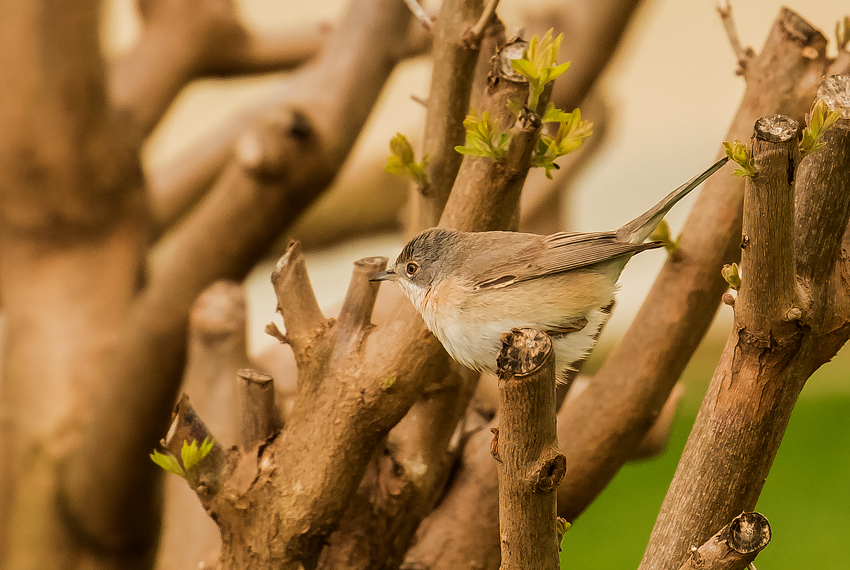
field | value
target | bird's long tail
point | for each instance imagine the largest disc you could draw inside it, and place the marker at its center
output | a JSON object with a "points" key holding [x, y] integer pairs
{"points": [[639, 229]]}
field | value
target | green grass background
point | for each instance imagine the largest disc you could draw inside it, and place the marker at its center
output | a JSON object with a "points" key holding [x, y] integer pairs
{"points": [[806, 497]]}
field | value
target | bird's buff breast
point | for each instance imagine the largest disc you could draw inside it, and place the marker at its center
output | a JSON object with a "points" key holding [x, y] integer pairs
{"points": [[470, 323]]}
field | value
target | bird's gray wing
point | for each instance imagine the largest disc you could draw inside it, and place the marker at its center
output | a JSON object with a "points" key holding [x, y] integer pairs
{"points": [[558, 253]]}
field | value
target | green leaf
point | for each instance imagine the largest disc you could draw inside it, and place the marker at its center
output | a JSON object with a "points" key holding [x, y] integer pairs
{"points": [[559, 70], [555, 115], [539, 65], [522, 66], [400, 147], [572, 132], [483, 137], [662, 233], [738, 153], [168, 462], [820, 121], [403, 163], [191, 453], [207, 446]]}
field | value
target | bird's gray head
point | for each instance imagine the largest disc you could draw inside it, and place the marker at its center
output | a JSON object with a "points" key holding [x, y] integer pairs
{"points": [[423, 262]]}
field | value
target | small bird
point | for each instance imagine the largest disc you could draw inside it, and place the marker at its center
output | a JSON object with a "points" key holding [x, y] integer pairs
{"points": [[471, 287]]}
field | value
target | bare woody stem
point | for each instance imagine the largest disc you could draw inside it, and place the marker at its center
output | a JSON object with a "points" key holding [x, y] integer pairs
{"points": [[448, 104], [608, 419], [260, 418], [744, 54], [733, 547], [356, 312], [497, 183], [297, 302], [187, 427], [767, 291], [760, 374], [182, 41], [531, 466], [223, 237], [820, 213]]}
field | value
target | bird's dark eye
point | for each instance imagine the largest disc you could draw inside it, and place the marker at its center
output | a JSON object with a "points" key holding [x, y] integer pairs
{"points": [[411, 268]]}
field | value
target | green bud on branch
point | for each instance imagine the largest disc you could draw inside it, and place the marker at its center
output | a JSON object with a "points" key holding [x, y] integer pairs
{"points": [[569, 137], [741, 155], [483, 138], [539, 65], [190, 455], [403, 163], [819, 121], [662, 233], [731, 275]]}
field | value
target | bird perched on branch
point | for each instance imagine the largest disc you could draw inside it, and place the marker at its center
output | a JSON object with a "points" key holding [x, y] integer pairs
{"points": [[471, 287]]}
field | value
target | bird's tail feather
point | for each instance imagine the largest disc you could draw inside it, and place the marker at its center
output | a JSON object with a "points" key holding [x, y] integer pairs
{"points": [[639, 229]]}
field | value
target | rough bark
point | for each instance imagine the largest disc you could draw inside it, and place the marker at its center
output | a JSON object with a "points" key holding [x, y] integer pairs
{"points": [[455, 55], [75, 226], [234, 225], [612, 415], [497, 184], [455, 535], [71, 212], [530, 465], [358, 383], [782, 333], [217, 350]]}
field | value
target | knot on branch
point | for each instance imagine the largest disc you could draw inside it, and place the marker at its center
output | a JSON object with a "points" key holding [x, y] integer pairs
{"points": [[549, 472], [747, 533], [523, 352], [264, 150]]}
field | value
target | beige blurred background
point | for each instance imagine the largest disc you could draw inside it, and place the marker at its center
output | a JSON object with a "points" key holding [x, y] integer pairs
{"points": [[672, 89]]}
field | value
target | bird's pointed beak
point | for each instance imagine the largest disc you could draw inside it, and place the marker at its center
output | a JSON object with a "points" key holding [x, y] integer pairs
{"points": [[388, 275]]}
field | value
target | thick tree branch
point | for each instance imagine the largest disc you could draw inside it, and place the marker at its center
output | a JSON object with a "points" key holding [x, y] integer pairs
{"points": [[404, 479], [448, 104], [771, 352], [217, 350], [497, 184], [298, 305], [608, 419], [454, 535], [767, 293], [175, 189], [71, 220], [821, 214], [223, 237], [185, 39], [530, 464], [360, 396]]}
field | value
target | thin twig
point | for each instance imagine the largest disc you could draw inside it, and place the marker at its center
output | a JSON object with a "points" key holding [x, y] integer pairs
{"points": [[477, 31], [744, 54], [421, 100], [420, 14]]}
